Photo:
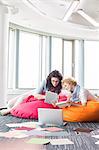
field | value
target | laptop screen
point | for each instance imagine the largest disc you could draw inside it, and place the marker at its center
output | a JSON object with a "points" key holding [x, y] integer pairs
{"points": [[50, 116]]}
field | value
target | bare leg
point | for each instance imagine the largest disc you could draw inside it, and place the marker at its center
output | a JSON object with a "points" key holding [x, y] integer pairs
{"points": [[91, 96], [83, 96], [11, 104], [14, 102], [86, 95], [5, 111]]}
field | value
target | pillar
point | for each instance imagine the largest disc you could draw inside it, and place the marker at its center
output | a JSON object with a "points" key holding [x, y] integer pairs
{"points": [[4, 27]]}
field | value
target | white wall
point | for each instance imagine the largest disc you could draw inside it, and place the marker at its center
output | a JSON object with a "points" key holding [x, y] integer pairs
{"points": [[3, 54]]}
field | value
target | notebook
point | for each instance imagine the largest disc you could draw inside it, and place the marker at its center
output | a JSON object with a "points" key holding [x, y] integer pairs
{"points": [[62, 104], [66, 104], [51, 97], [50, 116]]}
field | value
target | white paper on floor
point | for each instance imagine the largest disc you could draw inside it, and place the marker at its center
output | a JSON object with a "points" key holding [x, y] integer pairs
{"points": [[13, 134], [97, 142], [46, 133], [25, 124], [96, 136], [60, 141]]}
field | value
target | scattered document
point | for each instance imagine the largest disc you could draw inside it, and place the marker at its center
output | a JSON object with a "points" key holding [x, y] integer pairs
{"points": [[25, 124], [60, 141], [87, 130], [37, 132], [97, 142], [24, 128], [96, 136], [38, 141], [53, 129], [13, 134]]}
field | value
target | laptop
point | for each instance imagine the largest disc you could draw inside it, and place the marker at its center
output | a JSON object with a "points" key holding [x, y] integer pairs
{"points": [[51, 97], [50, 116]]}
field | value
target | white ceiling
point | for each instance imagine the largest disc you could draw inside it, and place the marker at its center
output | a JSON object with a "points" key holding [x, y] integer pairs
{"points": [[56, 9]]}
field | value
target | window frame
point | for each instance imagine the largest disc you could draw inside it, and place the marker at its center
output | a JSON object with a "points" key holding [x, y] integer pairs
{"points": [[47, 67]]}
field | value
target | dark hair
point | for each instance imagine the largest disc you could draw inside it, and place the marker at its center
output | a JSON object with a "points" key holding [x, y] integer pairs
{"points": [[49, 85]]}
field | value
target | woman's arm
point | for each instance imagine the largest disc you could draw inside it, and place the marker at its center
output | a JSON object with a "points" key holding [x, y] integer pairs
{"points": [[42, 88], [39, 96], [75, 94]]}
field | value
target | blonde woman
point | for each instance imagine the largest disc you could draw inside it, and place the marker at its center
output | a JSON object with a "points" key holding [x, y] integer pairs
{"points": [[75, 93]]}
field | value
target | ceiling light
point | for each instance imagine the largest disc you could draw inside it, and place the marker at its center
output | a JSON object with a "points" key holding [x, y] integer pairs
{"points": [[71, 9], [88, 18]]}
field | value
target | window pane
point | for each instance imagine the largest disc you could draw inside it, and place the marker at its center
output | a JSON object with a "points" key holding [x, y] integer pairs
{"points": [[44, 55], [67, 58], [56, 54], [91, 64], [77, 59], [28, 60], [11, 59]]}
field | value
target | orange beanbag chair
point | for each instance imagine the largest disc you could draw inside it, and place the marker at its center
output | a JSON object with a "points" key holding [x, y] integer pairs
{"points": [[87, 113]]}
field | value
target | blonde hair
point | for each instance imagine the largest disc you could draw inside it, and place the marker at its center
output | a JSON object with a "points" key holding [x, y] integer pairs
{"points": [[69, 81]]}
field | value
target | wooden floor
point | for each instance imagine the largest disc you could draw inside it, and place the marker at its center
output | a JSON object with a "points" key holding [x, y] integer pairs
{"points": [[82, 140]]}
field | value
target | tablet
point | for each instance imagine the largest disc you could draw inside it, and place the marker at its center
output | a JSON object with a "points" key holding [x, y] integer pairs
{"points": [[51, 97]]}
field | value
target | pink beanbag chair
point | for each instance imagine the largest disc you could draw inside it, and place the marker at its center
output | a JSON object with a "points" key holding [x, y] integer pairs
{"points": [[29, 108]]}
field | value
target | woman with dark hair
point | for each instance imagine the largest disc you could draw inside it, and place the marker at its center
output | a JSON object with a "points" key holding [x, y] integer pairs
{"points": [[52, 83]]}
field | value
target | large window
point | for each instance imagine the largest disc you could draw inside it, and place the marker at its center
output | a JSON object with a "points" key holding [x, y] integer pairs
{"points": [[28, 63], [33, 56], [77, 60], [45, 56], [56, 54], [67, 69], [28, 59], [91, 64]]}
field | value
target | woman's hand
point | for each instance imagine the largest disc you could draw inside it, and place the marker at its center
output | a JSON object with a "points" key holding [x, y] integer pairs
{"points": [[54, 104], [69, 97], [67, 104], [84, 104]]}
